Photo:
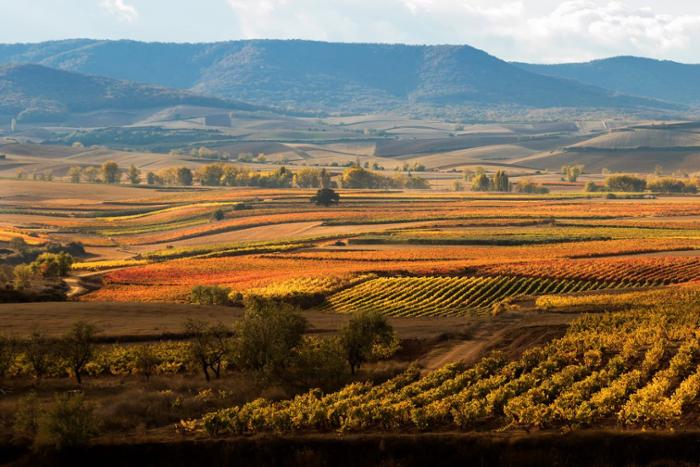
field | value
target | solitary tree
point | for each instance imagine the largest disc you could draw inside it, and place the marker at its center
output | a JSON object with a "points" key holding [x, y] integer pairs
{"points": [[78, 347], [326, 197], [363, 332], [110, 172]]}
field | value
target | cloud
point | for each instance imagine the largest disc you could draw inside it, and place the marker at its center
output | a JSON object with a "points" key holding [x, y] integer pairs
{"points": [[544, 31], [614, 27], [121, 10]]}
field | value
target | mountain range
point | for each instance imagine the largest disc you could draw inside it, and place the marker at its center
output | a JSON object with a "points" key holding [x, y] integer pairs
{"points": [[308, 75], [316, 77]]}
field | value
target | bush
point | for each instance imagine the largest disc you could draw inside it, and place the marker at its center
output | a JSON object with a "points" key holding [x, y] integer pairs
{"points": [[52, 264], [68, 422], [592, 187], [531, 187], [210, 295], [26, 423]]}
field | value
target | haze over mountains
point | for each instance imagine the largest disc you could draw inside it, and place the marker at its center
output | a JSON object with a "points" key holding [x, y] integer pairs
{"points": [[38, 93], [308, 76]]}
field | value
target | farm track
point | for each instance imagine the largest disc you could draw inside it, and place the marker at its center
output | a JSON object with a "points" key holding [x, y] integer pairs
{"points": [[509, 332]]}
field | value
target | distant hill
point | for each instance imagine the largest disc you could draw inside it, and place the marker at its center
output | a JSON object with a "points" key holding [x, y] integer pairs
{"points": [[320, 76], [39, 93], [665, 80]]}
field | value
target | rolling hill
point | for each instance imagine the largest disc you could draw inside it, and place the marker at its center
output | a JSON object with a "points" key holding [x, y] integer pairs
{"points": [[320, 76], [656, 79], [39, 93]]}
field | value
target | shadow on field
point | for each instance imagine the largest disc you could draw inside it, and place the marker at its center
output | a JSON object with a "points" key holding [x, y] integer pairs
{"points": [[578, 449]]}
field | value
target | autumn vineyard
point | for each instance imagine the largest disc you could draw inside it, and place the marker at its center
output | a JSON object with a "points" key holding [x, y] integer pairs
{"points": [[493, 314]]}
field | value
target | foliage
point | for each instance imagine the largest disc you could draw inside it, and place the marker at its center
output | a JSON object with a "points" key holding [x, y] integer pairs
{"points": [[325, 197], [110, 172], [68, 422], [365, 331], [210, 295], [267, 337], [78, 348], [209, 346], [625, 183]]}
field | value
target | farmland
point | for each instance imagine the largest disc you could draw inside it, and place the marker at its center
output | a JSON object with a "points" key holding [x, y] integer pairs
{"points": [[512, 313]]}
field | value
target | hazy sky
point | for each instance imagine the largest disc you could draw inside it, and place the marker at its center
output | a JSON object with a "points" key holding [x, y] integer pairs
{"points": [[532, 30]]}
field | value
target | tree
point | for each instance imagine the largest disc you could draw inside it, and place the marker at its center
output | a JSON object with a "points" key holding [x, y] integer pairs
{"points": [[325, 197], [110, 172], [308, 178], [153, 179], [209, 345], [218, 215], [145, 361], [52, 264], [38, 351], [90, 174], [267, 337], [78, 347], [209, 295], [500, 181], [625, 183], [75, 173], [134, 175], [481, 182], [210, 175], [184, 176], [570, 173], [23, 275], [364, 331]]}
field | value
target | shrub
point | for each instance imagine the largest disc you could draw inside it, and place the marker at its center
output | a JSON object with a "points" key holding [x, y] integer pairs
{"points": [[27, 413], [68, 422], [210, 295]]}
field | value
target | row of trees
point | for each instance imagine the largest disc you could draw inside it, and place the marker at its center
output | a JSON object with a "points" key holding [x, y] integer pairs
{"points": [[631, 183], [358, 177], [269, 342]]}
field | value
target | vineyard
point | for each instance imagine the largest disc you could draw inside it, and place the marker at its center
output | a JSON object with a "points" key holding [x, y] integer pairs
{"points": [[630, 369], [643, 271], [440, 296]]}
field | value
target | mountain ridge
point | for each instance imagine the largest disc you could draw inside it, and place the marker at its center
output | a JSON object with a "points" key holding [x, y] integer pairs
{"points": [[326, 77]]}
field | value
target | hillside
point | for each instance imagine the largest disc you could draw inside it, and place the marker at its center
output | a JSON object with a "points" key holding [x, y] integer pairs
{"points": [[319, 76], [39, 93], [656, 79]]}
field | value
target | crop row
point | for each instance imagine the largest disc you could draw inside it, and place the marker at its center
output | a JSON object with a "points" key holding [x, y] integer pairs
{"points": [[433, 296], [635, 368]]}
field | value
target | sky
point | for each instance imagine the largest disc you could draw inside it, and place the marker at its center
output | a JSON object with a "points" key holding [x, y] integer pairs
{"points": [[538, 31]]}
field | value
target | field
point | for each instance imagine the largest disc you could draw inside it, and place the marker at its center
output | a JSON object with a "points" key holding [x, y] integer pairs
{"points": [[514, 315]]}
